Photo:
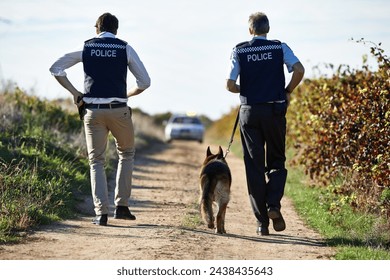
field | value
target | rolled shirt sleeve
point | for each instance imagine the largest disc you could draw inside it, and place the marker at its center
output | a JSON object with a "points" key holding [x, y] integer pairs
{"points": [[234, 67], [68, 60], [288, 57], [137, 68]]}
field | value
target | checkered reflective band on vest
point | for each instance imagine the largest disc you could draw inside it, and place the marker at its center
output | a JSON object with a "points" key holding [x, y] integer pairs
{"points": [[261, 71], [105, 67]]}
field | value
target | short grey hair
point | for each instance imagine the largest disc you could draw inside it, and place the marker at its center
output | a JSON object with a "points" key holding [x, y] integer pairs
{"points": [[259, 23]]}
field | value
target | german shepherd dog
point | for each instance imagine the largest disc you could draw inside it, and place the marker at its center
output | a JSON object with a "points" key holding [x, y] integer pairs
{"points": [[215, 182]]}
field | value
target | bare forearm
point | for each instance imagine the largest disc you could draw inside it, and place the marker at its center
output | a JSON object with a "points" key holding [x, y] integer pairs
{"points": [[232, 86], [296, 78], [134, 91], [64, 81]]}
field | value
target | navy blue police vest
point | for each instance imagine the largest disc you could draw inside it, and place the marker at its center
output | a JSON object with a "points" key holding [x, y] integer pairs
{"points": [[105, 68], [261, 71]]}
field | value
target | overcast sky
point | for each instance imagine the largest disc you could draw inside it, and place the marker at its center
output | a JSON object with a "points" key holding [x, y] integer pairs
{"points": [[185, 45]]}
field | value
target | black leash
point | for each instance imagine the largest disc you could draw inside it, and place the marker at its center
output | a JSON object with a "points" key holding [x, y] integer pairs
{"points": [[233, 132]]}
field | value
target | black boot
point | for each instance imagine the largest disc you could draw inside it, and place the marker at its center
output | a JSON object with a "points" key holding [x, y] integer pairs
{"points": [[123, 212], [277, 219], [100, 220]]}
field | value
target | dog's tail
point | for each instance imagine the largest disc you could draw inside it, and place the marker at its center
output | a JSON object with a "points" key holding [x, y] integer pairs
{"points": [[206, 201]]}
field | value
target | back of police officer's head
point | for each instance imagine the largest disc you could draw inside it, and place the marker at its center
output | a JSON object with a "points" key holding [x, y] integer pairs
{"points": [[258, 23], [107, 23]]}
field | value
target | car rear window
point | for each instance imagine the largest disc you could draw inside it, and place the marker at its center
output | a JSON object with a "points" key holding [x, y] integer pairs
{"points": [[186, 120]]}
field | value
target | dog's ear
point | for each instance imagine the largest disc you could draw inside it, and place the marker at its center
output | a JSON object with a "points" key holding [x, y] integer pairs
{"points": [[220, 153], [208, 151]]}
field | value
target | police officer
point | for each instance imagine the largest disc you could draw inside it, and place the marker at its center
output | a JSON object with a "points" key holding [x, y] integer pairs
{"points": [[264, 98], [106, 60]]}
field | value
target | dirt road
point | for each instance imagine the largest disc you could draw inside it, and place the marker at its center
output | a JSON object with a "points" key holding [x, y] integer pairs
{"points": [[164, 200]]}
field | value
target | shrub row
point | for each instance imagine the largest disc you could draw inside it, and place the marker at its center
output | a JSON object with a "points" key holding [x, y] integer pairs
{"points": [[341, 128]]}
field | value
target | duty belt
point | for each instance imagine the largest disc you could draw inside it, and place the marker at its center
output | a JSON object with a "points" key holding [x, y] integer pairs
{"points": [[105, 106]]}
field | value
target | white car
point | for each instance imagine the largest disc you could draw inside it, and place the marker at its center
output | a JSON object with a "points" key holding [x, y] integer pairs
{"points": [[185, 127]]}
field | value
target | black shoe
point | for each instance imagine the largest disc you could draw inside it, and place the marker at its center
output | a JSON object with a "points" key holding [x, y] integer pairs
{"points": [[263, 231], [123, 212], [100, 220], [277, 219]]}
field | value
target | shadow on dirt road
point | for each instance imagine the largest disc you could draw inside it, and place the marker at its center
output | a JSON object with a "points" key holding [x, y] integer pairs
{"points": [[164, 195]]}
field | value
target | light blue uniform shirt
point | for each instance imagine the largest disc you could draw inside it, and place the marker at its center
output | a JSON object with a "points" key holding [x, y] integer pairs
{"points": [[289, 60]]}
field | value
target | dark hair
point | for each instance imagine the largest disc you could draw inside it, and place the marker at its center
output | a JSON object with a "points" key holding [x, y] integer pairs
{"points": [[107, 22], [259, 23]]}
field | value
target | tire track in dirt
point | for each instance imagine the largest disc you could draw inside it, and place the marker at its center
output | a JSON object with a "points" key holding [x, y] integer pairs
{"points": [[165, 192]]}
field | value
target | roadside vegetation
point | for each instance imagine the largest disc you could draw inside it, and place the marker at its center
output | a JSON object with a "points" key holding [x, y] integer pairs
{"points": [[338, 137], [44, 171], [42, 163]]}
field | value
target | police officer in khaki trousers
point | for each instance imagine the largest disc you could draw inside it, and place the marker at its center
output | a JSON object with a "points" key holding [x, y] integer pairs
{"points": [[264, 99], [105, 60]]}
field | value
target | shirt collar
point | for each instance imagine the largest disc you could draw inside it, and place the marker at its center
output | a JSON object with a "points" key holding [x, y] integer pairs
{"points": [[260, 37], [105, 34]]}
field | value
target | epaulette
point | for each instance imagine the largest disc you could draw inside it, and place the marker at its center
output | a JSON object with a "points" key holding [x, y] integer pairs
{"points": [[89, 40], [242, 44], [124, 42]]}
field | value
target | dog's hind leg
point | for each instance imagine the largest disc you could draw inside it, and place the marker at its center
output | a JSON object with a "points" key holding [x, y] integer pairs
{"points": [[221, 219]]}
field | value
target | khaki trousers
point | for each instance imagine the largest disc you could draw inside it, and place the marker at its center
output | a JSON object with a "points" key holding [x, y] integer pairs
{"points": [[97, 124]]}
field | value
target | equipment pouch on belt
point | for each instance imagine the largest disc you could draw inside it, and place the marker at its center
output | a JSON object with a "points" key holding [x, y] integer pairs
{"points": [[280, 109], [81, 108]]}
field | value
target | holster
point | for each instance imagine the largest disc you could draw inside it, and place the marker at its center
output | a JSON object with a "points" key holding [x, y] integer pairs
{"points": [[81, 108]]}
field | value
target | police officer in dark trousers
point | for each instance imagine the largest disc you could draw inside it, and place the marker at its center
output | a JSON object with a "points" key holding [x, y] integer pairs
{"points": [[106, 60], [264, 99]]}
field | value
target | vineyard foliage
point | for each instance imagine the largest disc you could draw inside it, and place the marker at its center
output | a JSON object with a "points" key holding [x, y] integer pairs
{"points": [[340, 127]]}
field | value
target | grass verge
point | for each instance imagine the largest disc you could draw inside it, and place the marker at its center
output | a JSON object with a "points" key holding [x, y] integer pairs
{"points": [[39, 183], [43, 162], [356, 236]]}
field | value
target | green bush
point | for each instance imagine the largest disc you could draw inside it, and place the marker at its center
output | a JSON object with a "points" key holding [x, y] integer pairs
{"points": [[341, 127], [41, 168]]}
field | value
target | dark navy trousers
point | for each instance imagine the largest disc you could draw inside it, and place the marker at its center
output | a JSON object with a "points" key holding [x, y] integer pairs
{"points": [[263, 134]]}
